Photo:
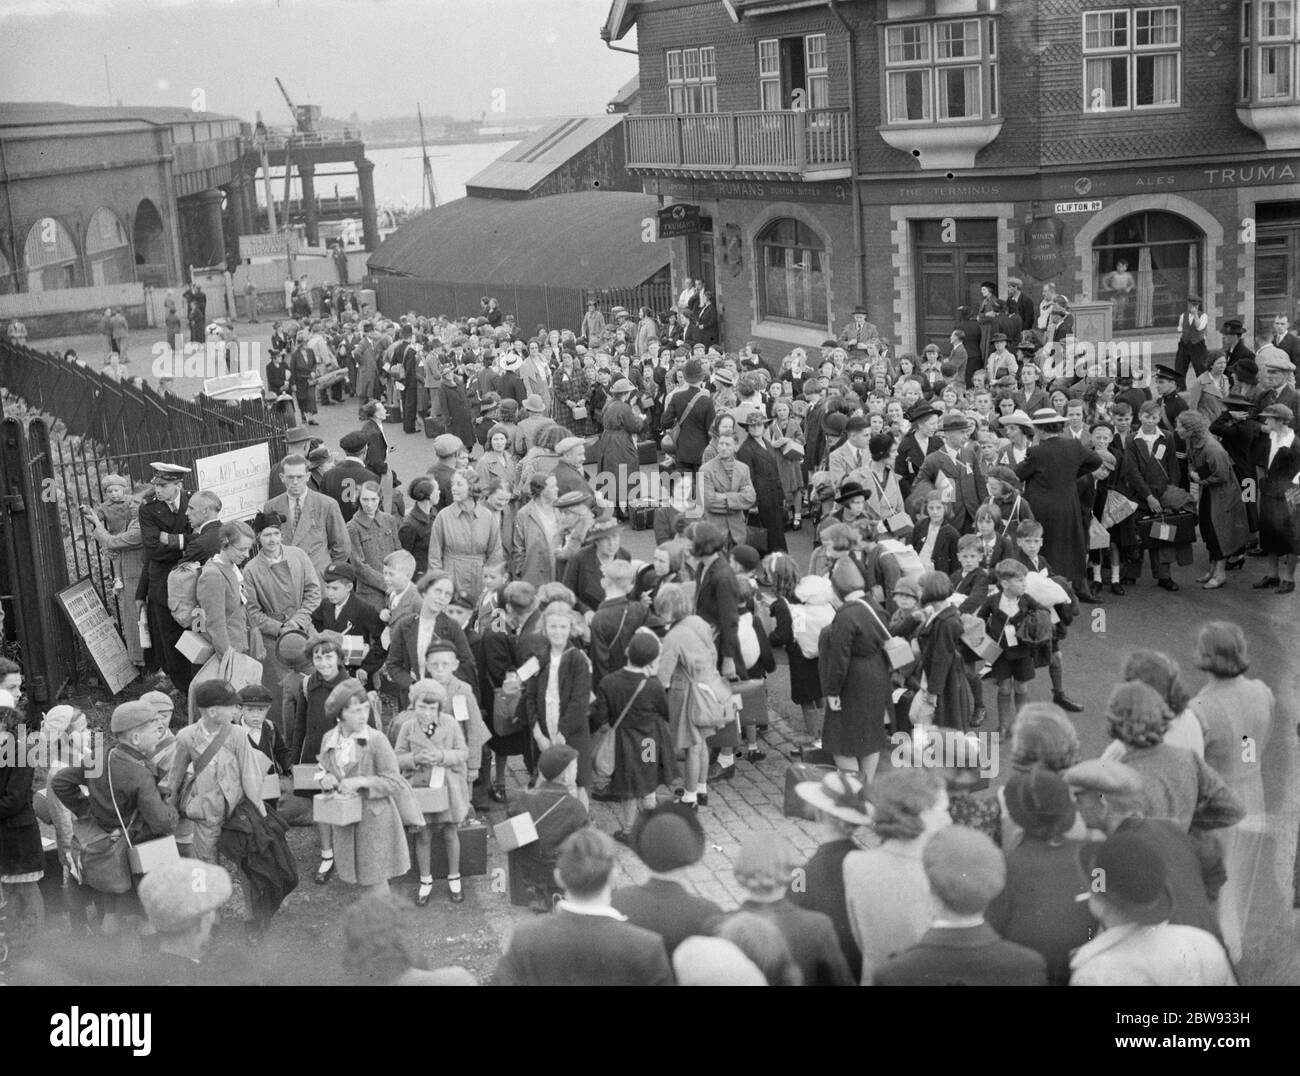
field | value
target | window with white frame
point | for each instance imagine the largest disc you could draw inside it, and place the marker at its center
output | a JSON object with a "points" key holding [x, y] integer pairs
{"points": [[1270, 56], [941, 72], [793, 72], [1132, 59], [692, 80]]}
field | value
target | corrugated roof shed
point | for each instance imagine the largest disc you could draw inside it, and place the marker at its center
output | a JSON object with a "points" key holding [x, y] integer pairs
{"points": [[527, 165], [585, 239]]}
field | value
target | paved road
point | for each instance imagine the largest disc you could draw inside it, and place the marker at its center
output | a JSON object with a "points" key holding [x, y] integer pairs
{"points": [[1098, 643]]}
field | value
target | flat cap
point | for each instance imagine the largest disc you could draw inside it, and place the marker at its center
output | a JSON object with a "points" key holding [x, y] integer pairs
{"points": [[180, 893], [448, 444], [215, 693], [131, 715]]}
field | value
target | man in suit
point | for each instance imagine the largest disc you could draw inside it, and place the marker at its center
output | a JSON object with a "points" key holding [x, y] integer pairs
{"points": [[204, 515], [965, 871], [344, 480], [693, 408], [1276, 368], [586, 942], [850, 460], [668, 839], [859, 330], [297, 440], [706, 321], [955, 467], [1234, 343], [1020, 303], [342, 611], [917, 444], [1284, 338], [164, 529], [727, 491], [958, 356], [407, 357], [313, 522], [556, 813]]}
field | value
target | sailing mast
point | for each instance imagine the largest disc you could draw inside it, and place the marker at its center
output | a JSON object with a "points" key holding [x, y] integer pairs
{"points": [[428, 168]]}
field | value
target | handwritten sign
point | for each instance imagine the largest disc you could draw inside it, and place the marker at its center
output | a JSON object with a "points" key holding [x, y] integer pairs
{"points": [[246, 385], [242, 479], [98, 630]]}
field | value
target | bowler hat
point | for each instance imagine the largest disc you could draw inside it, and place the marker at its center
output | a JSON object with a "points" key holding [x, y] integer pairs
{"points": [[668, 837]]}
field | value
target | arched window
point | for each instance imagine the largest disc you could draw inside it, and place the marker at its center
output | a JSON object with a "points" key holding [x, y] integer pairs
{"points": [[1147, 264], [107, 249], [49, 256], [792, 277]]}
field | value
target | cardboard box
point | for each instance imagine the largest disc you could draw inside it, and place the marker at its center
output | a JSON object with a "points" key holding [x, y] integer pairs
{"points": [[271, 786], [196, 649], [146, 856], [899, 652], [331, 809], [433, 800], [304, 778], [515, 832], [354, 649]]}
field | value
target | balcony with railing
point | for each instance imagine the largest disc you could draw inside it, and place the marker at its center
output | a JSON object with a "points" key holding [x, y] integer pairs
{"points": [[811, 145]]}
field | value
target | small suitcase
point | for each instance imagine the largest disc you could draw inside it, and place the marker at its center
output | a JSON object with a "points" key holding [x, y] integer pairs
{"points": [[643, 517], [515, 832], [753, 701], [473, 852], [796, 773], [331, 809]]}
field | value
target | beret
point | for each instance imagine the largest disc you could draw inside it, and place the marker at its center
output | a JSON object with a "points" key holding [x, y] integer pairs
{"points": [[215, 693], [342, 695]]}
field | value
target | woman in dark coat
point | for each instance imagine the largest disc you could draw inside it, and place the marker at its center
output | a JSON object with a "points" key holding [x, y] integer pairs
{"points": [[413, 531], [616, 447], [557, 700], [855, 676], [453, 408], [1049, 472], [717, 595], [22, 859], [764, 465], [947, 697], [1222, 513]]}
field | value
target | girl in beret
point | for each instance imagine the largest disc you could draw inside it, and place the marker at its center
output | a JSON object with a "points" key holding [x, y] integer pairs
{"points": [[356, 759]]}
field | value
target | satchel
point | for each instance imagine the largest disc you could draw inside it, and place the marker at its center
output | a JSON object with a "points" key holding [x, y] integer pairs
{"points": [[103, 857], [669, 440], [604, 741], [145, 856], [897, 650]]}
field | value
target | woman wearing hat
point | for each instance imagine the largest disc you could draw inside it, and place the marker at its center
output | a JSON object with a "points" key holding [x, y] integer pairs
{"points": [[616, 448], [1221, 513], [283, 591], [356, 759], [886, 889], [541, 458], [1279, 528], [536, 532], [464, 537], [840, 810], [413, 531], [1040, 906], [1050, 472], [855, 676], [431, 752]]}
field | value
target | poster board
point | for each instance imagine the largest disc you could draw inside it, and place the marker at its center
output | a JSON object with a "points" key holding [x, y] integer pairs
{"points": [[241, 478], [98, 630]]}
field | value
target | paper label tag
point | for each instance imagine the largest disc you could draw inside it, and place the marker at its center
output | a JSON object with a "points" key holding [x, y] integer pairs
{"points": [[437, 776], [1010, 635], [528, 670], [460, 708], [1160, 452]]}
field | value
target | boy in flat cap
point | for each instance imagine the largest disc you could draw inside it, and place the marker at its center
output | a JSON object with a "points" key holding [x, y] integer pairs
{"points": [[124, 786], [182, 901]]}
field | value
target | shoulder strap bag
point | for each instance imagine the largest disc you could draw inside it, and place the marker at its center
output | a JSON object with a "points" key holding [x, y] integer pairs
{"points": [[897, 650], [602, 754], [669, 441], [186, 789]]}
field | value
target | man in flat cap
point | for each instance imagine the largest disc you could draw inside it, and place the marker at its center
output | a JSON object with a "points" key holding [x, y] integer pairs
{"points": [[1277, 372], [122, 788], [182, 901], [342, 482], [164, 531]]}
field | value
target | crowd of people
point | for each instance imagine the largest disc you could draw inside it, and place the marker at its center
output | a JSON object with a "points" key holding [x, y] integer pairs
{"points": [[415, 635]]}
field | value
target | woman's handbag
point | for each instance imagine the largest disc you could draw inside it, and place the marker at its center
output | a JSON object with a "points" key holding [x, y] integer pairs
{"points": [[604, 741]]}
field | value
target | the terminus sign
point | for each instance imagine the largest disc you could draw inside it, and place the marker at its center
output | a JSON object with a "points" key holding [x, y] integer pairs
{"points": [[679, 219]]}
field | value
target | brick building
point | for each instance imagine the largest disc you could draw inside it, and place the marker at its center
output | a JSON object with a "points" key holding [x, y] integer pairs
{"points": [[899, 152]]}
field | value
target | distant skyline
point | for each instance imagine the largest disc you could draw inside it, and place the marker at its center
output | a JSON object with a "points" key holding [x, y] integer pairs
{"points": [[511, 59]]}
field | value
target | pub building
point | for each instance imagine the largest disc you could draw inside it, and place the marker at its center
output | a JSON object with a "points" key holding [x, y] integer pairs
{"points": [[897, 153]]}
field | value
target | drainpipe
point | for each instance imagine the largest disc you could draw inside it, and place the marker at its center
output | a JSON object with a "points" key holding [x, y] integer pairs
{"points": [[604, 36], [859, 255]]}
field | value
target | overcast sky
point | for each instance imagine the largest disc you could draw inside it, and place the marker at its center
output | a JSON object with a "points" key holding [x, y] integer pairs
{"points": [[372, 57]]}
